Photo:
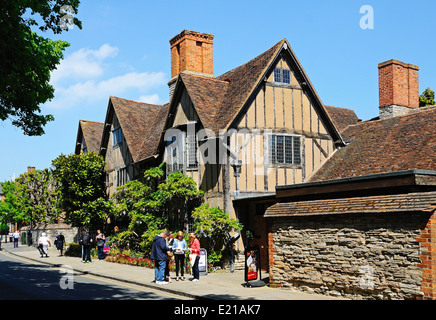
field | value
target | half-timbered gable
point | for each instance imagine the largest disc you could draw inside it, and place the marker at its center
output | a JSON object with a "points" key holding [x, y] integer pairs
{"points": [[265, 116], [292, 134], [128, 144]]}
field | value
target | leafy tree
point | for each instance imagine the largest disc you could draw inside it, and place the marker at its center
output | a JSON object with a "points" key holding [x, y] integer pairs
{"points": [[26, 58], [81, 183], [37, 197], [215, 226], [9, 208], [179, 196], [137, 214], [146, 208], [427, 98]]}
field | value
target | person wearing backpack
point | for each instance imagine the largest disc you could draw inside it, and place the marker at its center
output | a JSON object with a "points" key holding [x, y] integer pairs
{"points": [[86, 241]]}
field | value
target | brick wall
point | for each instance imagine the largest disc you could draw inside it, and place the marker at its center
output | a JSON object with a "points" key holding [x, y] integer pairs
{"points": [[358, 256], [428, 259], [398, 84]]}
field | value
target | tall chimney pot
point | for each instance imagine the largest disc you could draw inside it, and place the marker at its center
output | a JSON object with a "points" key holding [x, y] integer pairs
{"points": [[398, 88], [191, 51]]}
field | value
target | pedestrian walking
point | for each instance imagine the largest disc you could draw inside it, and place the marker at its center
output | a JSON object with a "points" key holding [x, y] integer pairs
{"points": [[194, 249], [179, 249], [86, 242], [101, 240], [159, 253], [16, 238], [59, 243], [43, 243], [169, 243]]}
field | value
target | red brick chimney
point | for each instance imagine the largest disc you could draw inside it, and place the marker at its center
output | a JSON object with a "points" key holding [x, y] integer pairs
{"points": [[191, 51], [398, 88]]}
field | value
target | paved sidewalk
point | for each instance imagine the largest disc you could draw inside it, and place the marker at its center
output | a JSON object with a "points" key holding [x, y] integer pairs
{"points": [[216, 286]]}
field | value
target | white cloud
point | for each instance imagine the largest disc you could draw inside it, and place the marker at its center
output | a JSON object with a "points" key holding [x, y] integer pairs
{"points": [[83, 64], [92, 91], [152, 99], [79, 80]]}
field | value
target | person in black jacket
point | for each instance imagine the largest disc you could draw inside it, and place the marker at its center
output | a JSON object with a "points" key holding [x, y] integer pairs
{"points": [[159, 253], [86, 241]]}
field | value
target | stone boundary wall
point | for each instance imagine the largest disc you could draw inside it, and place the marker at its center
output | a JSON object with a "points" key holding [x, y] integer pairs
{"points": [[357, 256], [71, 234]]}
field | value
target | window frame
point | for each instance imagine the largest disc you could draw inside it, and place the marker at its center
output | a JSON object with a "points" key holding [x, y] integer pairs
{"points": [[273, 148], [122, 176], [117, 136], [179, 149], [279, 76]]}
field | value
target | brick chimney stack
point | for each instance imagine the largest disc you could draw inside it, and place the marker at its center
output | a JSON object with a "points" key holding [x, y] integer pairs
{"points": [[398, 88], [193, 52]]}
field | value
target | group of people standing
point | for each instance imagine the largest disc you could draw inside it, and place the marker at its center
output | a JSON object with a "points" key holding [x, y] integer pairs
{"points": [[14, 237], [86, 241], [165, 246]]}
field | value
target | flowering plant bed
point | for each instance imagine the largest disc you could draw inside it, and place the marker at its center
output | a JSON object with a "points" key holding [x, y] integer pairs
{"points": [[141, 262]]}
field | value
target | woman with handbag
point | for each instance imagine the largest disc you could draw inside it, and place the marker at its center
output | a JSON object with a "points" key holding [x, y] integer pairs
{"points": [[194, 256], [179, 250]]}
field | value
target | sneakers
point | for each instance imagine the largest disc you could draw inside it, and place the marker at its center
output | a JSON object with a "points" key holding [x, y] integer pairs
{"points": [[161, 282]]}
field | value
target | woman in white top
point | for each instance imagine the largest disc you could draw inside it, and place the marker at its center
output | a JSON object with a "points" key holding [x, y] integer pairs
{"points": [[45, 242], [179, 249]]}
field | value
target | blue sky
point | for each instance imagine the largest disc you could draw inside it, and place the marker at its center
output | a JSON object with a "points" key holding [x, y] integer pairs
{"points": [[123, 50]]}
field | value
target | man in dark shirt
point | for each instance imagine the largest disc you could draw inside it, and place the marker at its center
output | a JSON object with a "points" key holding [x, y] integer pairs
{"points": [[159, 253]]}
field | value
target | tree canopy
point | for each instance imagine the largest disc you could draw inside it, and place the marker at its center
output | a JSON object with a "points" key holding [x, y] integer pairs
{"points": [[427, 98], [27, 59], [144, 209], [81, 184]]}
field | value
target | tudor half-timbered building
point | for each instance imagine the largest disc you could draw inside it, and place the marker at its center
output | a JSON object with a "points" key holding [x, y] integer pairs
{"points": [[323, 194], [241, 134], [238, 135]]}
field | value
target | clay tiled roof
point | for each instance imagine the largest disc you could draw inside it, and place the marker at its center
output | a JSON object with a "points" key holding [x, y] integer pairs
{"points": [[341, 117], [389, 145], [207, 95], [150, 144], [92, 132], [219, 100], [415, 202], [142, 125], [242, 81]]}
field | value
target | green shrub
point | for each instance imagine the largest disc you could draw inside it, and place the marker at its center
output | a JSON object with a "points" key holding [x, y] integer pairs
{"points": [[73, 250]]}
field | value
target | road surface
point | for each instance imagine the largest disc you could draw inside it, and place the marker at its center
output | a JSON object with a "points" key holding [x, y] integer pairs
{"points": [[22, 279]]}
